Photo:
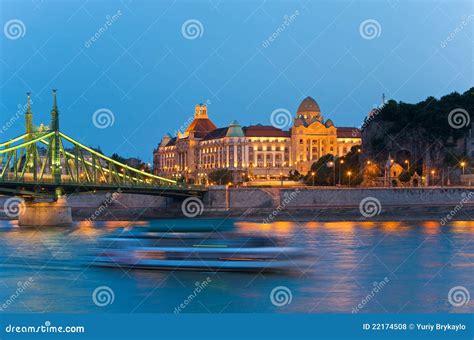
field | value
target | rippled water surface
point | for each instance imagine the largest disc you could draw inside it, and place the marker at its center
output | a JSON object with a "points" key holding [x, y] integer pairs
{"points": [[420, 262]]}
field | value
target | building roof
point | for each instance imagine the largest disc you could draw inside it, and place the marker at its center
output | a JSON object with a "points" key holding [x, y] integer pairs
{"points": [[264, 131], [216, 134], [171, 142], [200, 127], [308, 105], [348, 132]]}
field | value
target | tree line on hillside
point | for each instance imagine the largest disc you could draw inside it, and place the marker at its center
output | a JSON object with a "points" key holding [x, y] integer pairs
{"points": [[433, 132]]}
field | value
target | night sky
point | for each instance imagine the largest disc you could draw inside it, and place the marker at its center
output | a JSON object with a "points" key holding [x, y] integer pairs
{"points": [[151, 61]]}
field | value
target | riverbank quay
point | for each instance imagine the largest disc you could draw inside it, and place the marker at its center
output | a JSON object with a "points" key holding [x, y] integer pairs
{"points": [[279, 204]]}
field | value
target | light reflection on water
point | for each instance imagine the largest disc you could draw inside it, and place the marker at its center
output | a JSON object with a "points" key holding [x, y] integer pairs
{"points": [[421, 260]]}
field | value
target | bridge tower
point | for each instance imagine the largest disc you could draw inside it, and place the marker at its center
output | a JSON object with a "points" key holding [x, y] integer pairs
{"points": [[30, 149], [28, 117], [55, 145], [58, 212]]}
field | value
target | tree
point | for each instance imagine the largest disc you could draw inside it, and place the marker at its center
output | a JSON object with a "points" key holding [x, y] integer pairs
{"points": [[323, 174], [353, 164], [294, 175], [118, 158], [133, 162], [405, 176], [221, 176]]}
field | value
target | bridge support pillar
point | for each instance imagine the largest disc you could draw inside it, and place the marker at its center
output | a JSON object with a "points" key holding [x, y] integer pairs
{"points": [[38, 214]]}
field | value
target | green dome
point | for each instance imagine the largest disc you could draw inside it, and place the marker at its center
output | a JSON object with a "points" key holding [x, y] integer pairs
{"points": [[235, 130]]}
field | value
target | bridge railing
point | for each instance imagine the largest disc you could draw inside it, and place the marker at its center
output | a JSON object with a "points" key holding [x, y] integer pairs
{"points": [[65, 181]]}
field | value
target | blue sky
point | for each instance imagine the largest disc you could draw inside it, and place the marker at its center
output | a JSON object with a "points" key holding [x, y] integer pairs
{"points": [[149, 75]]}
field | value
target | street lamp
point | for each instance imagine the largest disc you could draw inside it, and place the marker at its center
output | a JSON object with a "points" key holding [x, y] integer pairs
{"points": [[281, 178], [463, 164], [312, 175], [340, 168], [332, 164], [432, 176], [407, 162], [349, 173]]}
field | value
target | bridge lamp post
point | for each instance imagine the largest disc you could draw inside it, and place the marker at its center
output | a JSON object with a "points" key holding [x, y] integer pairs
{"points": [[463, 165], [312, 175], [407, 162], [349, 174], [433, 176], [281, 178]]}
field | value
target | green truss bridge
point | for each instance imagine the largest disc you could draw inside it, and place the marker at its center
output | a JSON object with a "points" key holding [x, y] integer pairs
{"points": [[46, 163]]}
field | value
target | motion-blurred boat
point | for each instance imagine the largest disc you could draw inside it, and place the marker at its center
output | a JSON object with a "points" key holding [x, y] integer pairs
{"points": [[201, 248]]}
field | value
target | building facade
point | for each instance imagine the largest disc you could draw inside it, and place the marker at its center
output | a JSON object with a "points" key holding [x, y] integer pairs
{"points": [[255, 151]]}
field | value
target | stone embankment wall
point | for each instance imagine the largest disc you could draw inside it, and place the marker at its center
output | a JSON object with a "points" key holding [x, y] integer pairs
{"points": [[289, 203], [308, 197]]}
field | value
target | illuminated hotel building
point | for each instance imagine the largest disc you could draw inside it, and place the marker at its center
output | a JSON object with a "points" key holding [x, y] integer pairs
{"points": [[257, 151]]}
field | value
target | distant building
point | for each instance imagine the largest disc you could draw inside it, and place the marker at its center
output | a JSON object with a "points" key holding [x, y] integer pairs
{"points": [[257, 151], [133, 162]]}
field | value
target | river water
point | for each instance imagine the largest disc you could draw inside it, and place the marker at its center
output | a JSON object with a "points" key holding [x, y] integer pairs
{"points": [[366, 267]]}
